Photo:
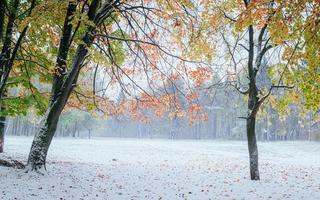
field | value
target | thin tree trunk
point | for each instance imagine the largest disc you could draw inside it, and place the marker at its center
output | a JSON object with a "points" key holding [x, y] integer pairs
{"points": [[14, 126], [253, 106], [75, 130], [310, 126], [253, 149], [2, 18], [2, 130], [267, 124], [18, 126], [214, 124]]}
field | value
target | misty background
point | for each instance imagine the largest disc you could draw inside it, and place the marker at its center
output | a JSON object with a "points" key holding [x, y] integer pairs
{"points": [[224, 106]]}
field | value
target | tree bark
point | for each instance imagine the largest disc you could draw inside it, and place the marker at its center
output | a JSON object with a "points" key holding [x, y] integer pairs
{"points": [[42, 140], [253, 106], [253, 149]]}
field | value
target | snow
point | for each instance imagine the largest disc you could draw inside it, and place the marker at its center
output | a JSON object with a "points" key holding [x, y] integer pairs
{"points": [[111, 168]]}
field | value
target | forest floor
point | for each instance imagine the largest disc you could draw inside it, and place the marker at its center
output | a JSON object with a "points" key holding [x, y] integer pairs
{"points": [[112, 169]]}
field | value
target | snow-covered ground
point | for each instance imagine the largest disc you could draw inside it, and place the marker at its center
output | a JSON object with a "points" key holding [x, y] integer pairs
{"points": [[112, 169]]}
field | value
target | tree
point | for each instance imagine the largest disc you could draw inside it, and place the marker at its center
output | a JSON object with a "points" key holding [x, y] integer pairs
{"points": [[10, 13], [248, 31], [65, 82], [93, 24], [89, 123]]}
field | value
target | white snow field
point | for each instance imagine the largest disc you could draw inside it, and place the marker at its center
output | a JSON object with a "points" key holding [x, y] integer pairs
{"points": [[112, 169]]}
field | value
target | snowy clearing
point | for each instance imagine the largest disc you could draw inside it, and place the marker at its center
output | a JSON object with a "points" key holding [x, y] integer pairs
{"points": [[110, 168]]}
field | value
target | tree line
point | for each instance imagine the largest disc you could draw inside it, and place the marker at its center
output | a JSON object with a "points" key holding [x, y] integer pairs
{"points": [[224, 124]]}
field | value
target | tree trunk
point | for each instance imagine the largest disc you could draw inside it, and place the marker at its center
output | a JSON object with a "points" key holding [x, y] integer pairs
{"points": [[2, 130], [14, 126], [2, 18], [59, 95], [42, 140], [214, 128], [75, 130], [253, 104], [64, 82], [18, 126], [253, 107], [253, 149]]}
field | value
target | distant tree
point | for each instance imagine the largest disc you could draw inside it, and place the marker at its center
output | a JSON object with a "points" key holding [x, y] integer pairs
{"points": [[90, 123]]}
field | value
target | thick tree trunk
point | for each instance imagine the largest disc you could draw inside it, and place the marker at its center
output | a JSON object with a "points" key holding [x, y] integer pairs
{"points": [[42, 140]]}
